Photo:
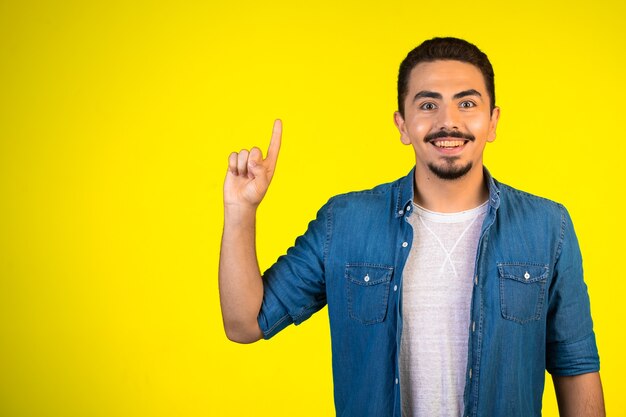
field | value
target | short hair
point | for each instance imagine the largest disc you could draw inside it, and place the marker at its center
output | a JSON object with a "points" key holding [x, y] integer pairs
{"points": [[447, 49]]}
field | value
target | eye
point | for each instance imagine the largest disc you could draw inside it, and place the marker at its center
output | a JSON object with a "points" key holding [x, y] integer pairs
{"points": [[467, 104], [428, 106]]}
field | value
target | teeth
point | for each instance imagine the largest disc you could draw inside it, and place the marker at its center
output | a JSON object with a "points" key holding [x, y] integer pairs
{"points": [[448, 143]]}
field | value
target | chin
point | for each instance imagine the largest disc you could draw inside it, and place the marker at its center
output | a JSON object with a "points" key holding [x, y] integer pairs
{"points": [[450, 172]]}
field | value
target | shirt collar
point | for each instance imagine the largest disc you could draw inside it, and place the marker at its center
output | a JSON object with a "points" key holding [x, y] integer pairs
{"points": [[494, 190], [405, 192]]}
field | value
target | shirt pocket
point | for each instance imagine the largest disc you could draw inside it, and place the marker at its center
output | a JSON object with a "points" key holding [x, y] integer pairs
{"points": [[522, 290], [368, 291]]}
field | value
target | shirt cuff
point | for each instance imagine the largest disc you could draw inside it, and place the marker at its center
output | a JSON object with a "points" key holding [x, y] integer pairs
{"points": [[575, 358], [273, 316]]}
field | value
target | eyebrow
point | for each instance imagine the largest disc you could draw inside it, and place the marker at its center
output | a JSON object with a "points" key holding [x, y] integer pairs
{"points": [[470, 92], [438, 96], [427, 94]]}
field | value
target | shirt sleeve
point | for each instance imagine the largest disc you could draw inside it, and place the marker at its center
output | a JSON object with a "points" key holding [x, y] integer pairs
{"points": [[571, 345], [295, 287]]}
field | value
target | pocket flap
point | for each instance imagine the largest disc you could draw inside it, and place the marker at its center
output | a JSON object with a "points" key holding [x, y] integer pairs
{"points": [[523, 272], [368, 274]]}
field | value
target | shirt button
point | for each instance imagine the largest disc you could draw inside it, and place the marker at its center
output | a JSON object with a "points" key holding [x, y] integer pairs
{"points": [[470, 373], [405, 244], [366, 278], [476, 280], [473, 326], [401, 212], [396, 381], [395, 288], [408, 208], [526, 275]]}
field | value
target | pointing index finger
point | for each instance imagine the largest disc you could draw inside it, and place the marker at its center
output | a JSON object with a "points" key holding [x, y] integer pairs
{"points": [[272, 151]]}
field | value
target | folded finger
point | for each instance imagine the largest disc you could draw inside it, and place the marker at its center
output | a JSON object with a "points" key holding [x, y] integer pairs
{"points": [[255, 157], [242, 162], [232, 163]]}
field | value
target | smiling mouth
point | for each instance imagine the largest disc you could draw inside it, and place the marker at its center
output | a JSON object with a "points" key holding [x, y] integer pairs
{"points": [[449, 144]]}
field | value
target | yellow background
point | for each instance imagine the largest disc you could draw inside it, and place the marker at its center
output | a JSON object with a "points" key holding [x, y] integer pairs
{"points": [[116, 120]]}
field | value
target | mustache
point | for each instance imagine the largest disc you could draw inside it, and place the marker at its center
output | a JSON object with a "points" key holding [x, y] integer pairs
{"points": [[448, 134]]}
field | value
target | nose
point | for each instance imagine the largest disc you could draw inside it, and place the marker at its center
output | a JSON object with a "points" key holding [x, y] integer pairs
{"points": [[448, 118]]}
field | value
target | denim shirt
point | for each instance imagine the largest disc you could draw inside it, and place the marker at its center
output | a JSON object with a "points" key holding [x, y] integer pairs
{"points": [[529, 309]]}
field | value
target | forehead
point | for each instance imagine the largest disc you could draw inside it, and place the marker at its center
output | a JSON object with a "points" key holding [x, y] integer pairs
{"points": [[446, 76]]}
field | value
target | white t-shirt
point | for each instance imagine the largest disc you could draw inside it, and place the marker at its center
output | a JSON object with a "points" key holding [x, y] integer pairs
{"points": [[436, 297]]}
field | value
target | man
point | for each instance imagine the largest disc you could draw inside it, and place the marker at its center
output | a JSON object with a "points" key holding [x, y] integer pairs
{"points": [[448, 293]]}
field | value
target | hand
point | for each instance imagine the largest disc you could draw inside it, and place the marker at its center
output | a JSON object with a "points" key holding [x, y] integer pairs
{"points": [[249, 175]]}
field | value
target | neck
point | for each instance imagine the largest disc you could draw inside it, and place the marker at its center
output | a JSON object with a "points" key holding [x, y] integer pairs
{"points": [[450, 196]]}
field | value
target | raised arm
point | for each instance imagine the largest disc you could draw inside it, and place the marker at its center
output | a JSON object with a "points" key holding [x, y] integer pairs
{"points": [[579, 395], [241, 286]]}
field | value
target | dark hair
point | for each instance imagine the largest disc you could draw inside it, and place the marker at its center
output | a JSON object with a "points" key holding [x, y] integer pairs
{"points": [[451, 49]]}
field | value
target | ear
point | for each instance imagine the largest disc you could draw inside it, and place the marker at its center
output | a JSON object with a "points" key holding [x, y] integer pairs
{"points": [[493, 124], [399, 121]]}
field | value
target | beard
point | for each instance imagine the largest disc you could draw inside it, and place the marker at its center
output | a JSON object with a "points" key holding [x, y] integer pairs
{"points": [[450, 171]]}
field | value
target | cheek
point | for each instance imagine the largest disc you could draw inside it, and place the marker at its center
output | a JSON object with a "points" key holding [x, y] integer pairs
{"points": [[478, 126], [420, 127]]}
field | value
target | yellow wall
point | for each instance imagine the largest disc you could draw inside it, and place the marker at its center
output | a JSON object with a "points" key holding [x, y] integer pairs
{"points": [[116, 120]]}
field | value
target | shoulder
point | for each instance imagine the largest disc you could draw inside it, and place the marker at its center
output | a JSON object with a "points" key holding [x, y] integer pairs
{"points": [[517, 203]]}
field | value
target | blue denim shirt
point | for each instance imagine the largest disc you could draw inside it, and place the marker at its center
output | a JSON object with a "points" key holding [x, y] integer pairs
{"points": [[529, 311]]}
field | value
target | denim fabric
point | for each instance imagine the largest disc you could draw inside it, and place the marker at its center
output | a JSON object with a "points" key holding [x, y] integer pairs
{"points": [[530, 308]]}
